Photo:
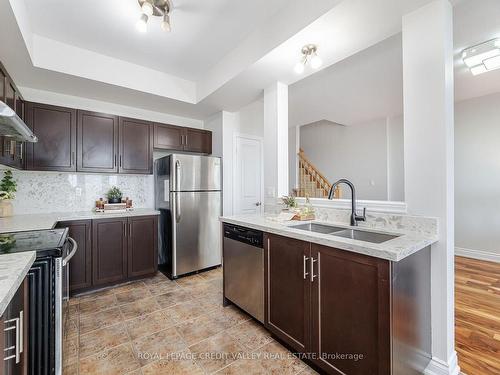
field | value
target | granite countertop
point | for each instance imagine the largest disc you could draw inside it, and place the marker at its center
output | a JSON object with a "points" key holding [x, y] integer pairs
{"points": [[394, 250], [18, 223], [13, 270]]}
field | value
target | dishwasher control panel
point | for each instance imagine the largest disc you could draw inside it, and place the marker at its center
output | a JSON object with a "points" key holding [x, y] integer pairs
{"points": [[249, 236]]}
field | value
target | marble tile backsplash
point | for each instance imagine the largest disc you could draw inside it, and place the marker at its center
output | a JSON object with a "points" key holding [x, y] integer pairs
{"points": [[40, 192], [400, 223]]}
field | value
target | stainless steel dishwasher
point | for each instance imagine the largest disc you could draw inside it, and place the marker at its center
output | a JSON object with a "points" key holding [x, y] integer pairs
{"points": [[244, 269]]}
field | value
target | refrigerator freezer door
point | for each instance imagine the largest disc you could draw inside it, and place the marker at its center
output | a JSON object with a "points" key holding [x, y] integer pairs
{"points": [[197, 235], [195, 173]]}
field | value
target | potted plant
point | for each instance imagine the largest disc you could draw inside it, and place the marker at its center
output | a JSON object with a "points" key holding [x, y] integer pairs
{"points": [[114, 195], [289, 201], [8, 188]]}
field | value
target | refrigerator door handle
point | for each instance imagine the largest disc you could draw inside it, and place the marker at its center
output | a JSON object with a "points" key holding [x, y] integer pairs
{"points": [[177, 175], [177, 208]]}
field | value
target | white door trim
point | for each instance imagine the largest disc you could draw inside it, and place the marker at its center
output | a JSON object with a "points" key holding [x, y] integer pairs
{"points": [[235, 167]]}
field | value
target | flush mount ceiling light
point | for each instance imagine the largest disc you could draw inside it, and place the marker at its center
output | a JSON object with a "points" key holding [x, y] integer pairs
{"points": [[483, 57], [309, 55], [154, 8]]}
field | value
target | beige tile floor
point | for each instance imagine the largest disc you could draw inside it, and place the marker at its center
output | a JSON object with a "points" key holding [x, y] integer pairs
{"points": [[158, 326]]}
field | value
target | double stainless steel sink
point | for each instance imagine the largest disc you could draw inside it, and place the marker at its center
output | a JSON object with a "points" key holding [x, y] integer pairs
{"points": [[355, 234]]}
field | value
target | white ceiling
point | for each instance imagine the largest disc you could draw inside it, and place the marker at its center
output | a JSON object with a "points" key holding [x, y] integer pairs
{"points": [[369, 85], [203, 32], [223, 53]]}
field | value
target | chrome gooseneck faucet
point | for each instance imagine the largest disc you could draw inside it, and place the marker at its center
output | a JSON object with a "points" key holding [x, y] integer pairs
{"points": [[354, 216]]}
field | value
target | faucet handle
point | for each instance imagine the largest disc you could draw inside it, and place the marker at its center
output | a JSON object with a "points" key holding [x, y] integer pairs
{"points": [[359, 217]]}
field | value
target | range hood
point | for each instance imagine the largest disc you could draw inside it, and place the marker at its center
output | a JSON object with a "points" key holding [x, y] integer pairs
{"points": [[13, 127]]}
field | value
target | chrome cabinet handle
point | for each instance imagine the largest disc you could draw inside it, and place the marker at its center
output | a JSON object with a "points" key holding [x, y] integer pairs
{"points": [[120, 161], [312, 269], [114, 161], [17, 327], [125, 229], [130, 230], [305, 267]]}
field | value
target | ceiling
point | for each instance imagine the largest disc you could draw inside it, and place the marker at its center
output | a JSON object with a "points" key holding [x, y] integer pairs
{"points": [[221, 54], [369, 84], [202, 31]]}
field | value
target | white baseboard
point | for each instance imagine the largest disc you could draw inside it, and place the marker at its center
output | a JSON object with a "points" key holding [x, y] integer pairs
{"points": [[439, 367], [478, 254]]}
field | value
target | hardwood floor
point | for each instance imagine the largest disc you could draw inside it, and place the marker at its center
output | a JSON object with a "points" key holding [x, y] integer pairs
{"points": [[477, 316]]}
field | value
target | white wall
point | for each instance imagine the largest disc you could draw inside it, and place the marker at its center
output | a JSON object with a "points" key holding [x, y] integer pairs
{"points": [[357, 152], [49, 97], [395, 159], [224, 126], [477, 174]]}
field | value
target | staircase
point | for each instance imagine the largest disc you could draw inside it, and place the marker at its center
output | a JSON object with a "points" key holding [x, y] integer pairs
{"points": [[312, 183]]}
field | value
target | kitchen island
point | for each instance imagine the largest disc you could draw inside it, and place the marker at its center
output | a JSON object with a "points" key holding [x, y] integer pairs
{"points": [[345, 305]]}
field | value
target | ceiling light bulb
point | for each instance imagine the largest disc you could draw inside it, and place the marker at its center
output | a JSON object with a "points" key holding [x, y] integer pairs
{"points": [[142, 23], [147, 8], [316, 61], [480, 69], [492, 63], [165, 24], [299, 68]]}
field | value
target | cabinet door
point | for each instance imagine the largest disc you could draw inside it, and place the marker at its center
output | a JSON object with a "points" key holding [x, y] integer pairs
{"points": [[97, 139], [168, 137], [288, 290], [136, 146], [196, 140], [350, 311], [80, 266], [109, 251], [14, 326], [55, 128], [142, 245]]}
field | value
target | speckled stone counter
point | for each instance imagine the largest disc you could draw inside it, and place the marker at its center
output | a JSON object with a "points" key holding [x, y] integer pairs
{"points": [[18, 223], [395, 249], [13, 270]]}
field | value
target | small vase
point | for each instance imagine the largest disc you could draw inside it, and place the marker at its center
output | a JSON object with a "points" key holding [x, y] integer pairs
{"points": [[6, 208], [114, 200]]}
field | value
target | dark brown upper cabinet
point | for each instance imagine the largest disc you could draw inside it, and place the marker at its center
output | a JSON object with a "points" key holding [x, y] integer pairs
{"points": [[97, 142], [168, 137], [55, 128], [178, 138], [289, 290], [197, 140], [135, 146]]}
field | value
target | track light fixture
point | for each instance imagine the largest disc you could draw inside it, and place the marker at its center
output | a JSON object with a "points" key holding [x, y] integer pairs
{"points": [[154, 8], [309, 55]]}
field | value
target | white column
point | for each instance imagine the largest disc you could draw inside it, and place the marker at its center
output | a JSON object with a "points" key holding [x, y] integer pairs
{"points": [[428, 151], [275, 142]]}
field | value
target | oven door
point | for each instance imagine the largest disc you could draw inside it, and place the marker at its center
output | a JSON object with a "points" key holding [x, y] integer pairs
{"points": [[62, 317]]}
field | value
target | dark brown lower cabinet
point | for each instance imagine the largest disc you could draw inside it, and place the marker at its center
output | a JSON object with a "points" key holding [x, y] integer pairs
{"points": [[14, 327], [80, 266], [289, 291], [350, 312], [109, 251], [112, 250], [142, 245]]}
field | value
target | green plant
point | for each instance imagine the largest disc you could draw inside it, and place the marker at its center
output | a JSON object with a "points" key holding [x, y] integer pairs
{"points": [[114, 193], [8, 186], [289, 201]]}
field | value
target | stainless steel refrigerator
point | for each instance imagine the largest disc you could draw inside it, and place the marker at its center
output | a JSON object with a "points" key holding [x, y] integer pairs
{"points": [[189, 197]]}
